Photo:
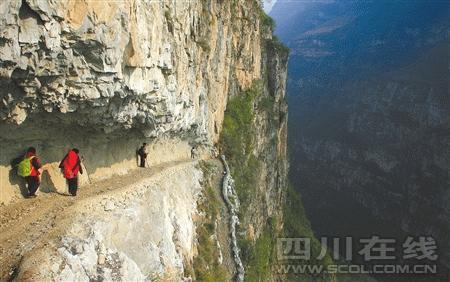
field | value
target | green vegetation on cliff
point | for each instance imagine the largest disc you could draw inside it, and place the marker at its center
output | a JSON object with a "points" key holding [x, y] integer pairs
{"points": [[259, 256], [257, 113], [278, 46], [206, 266], [238, 119], [266, 19], [237, 143], [297, 225]]}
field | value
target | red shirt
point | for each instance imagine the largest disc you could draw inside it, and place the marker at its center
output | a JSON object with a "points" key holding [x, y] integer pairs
{"points": [[35, 164], [71, 165]]}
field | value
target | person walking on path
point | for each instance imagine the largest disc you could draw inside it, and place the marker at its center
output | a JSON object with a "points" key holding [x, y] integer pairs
{"points": [[31, 168], [71, 165], [142, 152], [193, 152]]}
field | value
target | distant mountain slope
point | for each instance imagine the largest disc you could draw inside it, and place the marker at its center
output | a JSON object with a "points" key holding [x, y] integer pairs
{"points": [[369, 113], [340, 38]]}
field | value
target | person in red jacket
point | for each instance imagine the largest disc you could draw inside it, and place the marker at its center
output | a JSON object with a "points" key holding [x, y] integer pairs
{"points": [[34, 179], [71, 165]]}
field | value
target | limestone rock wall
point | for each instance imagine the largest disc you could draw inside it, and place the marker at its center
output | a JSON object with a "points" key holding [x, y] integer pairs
{"points": [[270, 142], [142, 232], [159, 66], [105, 76]]}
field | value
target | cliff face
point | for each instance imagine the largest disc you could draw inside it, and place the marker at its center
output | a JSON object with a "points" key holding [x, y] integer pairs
{"points": [[105, 77], [254, 140], [270, 143], [124, 64], [141, 231]]}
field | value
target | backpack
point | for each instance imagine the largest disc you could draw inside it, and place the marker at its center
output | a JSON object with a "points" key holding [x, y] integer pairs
{"points": [[141, 152], [24, 167]]}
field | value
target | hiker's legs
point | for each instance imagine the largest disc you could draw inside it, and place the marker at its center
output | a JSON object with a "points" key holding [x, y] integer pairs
{"points": [[33, 184], [142, 162], [73, 186], [29, 184], [69, 186]]}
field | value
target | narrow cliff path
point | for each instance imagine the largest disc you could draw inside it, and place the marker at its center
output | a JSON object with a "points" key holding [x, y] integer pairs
{"points": [[29, 221]]}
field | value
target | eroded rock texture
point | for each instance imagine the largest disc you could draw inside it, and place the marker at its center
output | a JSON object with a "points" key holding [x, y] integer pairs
{"points": [[126, 235], [105, 75], [158, 65]]}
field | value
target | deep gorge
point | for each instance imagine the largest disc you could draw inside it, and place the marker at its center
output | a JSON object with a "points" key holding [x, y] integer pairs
{"points": [[368, 133]]}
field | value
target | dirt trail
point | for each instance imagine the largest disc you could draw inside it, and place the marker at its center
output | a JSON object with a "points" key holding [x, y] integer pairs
{"points": [[29, 222]]}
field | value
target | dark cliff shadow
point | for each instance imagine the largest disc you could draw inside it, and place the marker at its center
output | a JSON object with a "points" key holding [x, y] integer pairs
{"points": [[63, 194], [15, 179], [137, 157], [54, 134], [46, 186]]}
